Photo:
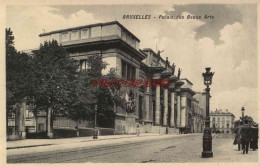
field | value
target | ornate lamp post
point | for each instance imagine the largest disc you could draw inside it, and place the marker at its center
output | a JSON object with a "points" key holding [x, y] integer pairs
{"points": [[95, 132], [207, 138], [243, 111]]}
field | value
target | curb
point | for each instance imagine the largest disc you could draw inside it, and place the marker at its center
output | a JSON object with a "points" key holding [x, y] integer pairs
{"points": [[29, 146]]}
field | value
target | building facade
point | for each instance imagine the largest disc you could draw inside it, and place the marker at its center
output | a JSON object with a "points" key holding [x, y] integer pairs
{"points": [[155, 108], [222, 121]]}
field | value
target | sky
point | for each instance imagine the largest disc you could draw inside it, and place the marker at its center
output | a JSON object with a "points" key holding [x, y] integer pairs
{"points": [[227, 43]]}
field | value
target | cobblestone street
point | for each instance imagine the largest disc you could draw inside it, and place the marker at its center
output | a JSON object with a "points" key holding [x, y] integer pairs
{"points": [[158, 149]]}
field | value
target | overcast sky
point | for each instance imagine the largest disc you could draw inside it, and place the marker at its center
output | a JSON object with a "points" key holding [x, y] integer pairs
{"points": [[227, 43]]}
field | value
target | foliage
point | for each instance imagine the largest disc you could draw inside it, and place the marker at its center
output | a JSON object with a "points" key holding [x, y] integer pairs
{"points": [[53, 78], [18, 74], [9, 41], [49, 79], [86, 96], [248, 118]]}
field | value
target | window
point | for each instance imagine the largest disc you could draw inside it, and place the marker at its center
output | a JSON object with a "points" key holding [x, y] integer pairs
{"points": [[28, 114], [12, 115], [133, 72], [83, 64], [227, 125], [140, 107], [189, 102], [128, 71], [213, 119], [41, 127]]}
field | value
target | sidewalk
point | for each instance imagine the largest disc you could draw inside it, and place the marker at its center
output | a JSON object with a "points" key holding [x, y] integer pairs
{"points": [[45, 142], [28, 146], [224, 151]]}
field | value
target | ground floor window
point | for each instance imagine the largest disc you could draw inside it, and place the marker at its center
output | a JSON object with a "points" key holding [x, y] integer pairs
{"points": [[140, 107]]}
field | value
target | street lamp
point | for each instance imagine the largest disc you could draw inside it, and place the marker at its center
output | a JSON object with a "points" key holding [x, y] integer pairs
{"points": [[207, 138], [243, 111], [95, 132]]}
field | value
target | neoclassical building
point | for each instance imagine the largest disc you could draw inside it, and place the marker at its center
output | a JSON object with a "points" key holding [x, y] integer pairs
{"points": [[199, 111], [155, 108], [222, 120]]}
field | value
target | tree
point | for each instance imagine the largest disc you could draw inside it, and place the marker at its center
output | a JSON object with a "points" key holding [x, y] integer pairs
{"points": [[248, 118], [9, 41], [18, 76], [86, 96], [54, 74]]}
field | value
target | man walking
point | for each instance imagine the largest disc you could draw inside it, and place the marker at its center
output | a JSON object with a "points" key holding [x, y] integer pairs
{"points": [[237, 140], [137, 131], [254, 138], [245, 137]]}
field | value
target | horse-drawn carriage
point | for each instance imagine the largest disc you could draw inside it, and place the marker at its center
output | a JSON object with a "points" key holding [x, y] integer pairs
{"points": [[185, 130]]}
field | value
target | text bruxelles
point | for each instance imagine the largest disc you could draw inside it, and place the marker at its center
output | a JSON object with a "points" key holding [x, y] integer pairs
{"points": [[131, 82]]}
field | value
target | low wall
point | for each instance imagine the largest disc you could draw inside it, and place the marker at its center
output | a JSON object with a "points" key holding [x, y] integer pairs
{"points": [[65, 133], [89, 131]]}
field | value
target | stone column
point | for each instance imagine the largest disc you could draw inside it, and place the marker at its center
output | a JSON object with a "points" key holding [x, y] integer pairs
{"points": [[178, 110], [157, 105], [49, 132], [172, 120], [183, 111], [147, 103], [165, 107], [21, 124]]}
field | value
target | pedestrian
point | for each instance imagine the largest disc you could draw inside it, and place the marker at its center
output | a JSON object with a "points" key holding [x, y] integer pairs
{"points": [[245, 137], [254, 138], [137, 130], [237, 139]]}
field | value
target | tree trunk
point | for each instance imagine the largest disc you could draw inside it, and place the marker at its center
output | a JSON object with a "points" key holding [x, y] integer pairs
{"points": [[77, 127], [14, 130], [52, 121], [47, 121]]}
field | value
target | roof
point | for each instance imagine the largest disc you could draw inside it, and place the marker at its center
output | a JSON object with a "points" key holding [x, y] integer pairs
{"points": [[151, 50], [190, 91], [117, 40], [90, 25], [221, 113], [187, 80]]}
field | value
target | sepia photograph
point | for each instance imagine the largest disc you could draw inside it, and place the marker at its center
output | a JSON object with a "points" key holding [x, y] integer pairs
{"points": [[131, 83]]}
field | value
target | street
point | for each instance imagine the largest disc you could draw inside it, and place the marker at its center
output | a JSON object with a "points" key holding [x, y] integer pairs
{"points": [[158, 149]]}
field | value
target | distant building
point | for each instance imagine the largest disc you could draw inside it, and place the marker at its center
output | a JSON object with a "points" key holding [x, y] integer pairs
{"points": [[222, 120]]}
